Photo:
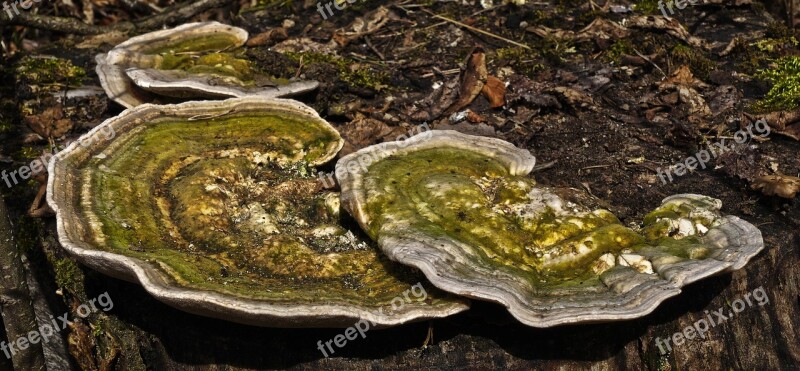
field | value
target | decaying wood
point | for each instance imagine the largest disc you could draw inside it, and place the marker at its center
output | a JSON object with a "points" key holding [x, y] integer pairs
{"points": [[15, 300], [172, 15]]}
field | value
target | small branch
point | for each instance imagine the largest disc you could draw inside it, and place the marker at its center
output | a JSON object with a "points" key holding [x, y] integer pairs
{"points": [[174, 14], [478, 30]]}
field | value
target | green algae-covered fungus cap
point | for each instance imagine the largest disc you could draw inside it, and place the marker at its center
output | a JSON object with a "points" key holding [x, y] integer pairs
{"points": [[462, 209], [194, 60], [215, 207]]}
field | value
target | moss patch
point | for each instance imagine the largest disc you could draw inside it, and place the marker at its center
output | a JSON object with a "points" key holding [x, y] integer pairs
{"points": [[350, 72], [784, 74]]}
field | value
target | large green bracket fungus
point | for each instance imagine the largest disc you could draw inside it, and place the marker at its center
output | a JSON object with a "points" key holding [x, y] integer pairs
{"points": [[214, 207], [194, 60], [462, 209]]}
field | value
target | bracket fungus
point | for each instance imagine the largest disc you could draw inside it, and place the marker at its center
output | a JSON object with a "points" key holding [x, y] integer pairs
{"points": [[195, 60], [214, 207], [462, 209]]}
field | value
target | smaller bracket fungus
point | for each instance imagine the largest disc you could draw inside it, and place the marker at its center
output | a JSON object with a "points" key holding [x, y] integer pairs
{"points": [[462, 209], [195, 60], [214, 207]]}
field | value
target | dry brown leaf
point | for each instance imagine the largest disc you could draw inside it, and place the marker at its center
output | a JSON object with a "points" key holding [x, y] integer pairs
{"points": [[434, 104], [362, 132], [600, 28], [683, 76], [495, 92], [270, 37], [305, 45], [669, 25], [473, 78], [785, 123], [49, 123], [455, 94], [574, 97], [474, 117], [778, 185], [368, 24]]}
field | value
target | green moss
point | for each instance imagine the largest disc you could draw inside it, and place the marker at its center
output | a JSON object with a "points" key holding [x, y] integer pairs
{"points": [[779, 41], [350, 72], [68, 274], [617, 50], [29, 152], [700, 65], [647, 6], [50, 71], [784, 74]]}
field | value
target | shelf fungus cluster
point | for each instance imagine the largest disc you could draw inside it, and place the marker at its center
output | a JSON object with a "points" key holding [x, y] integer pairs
{"points": [[462, 210], [215, 208], [195, 60]]}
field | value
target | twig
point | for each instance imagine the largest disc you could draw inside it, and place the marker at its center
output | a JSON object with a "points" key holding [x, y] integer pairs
{"points": [[174, 14], [474, 29], [544, 166], [651, 62], [372, 47]]}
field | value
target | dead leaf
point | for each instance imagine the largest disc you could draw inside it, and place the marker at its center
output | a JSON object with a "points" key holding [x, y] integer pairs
{"points": [[49, 123], [671, 26], [778, 185], [305, 45], [270, 37], [785, 123], [362, 132], [434, 105], [575, 98], [683, 76], [474, 117], [473, 78], [600, 28], [368, 24], [495, 92], [455, 94]]}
